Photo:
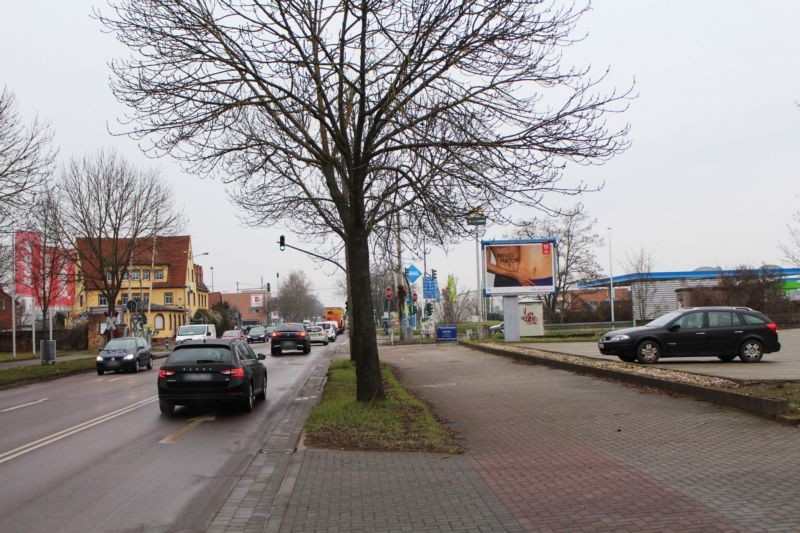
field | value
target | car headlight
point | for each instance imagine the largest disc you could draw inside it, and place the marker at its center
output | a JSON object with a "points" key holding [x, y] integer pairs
{"points": [[129, 357], [620, 337], [99, 359]]}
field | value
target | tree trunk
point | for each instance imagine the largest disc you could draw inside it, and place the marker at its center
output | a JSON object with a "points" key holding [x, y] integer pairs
{"points": [[363, 339]]}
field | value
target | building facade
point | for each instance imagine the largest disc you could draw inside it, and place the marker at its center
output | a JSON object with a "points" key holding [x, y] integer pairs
{"points": [[162, 279]]}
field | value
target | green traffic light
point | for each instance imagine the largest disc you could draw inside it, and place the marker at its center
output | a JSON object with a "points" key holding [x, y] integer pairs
{"points": [[282, 243]]}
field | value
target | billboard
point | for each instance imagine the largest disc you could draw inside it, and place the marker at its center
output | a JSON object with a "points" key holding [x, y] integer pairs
{"points": [[43, 271], [519, 267]]}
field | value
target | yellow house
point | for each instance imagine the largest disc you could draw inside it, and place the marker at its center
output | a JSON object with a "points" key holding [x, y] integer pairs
{"points": [[163, 279]]}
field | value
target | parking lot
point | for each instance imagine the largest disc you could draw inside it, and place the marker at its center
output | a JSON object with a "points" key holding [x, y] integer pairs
{"points": [[782, 365]]}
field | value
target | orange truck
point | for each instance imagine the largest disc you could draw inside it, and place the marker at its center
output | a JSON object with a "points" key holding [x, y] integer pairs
{"points": [[337, 315]]}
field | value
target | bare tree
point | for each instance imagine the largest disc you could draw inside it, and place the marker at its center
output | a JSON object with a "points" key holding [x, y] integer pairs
{"points": [[791, 249], [576, 242], [335, 116], [26, 161], [297, 302], [111, 210], [643, 291]]}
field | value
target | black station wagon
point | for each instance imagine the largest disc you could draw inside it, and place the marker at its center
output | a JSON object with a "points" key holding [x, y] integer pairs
{"points": [[724, 332]]}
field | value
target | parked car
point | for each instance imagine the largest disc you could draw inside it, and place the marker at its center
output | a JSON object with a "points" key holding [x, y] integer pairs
{"points": [[233, 334], [257, 334], [210, 372], [330, 329], [290, 336], [498, 328], [124, 353], [317, 334], [724, 332]]}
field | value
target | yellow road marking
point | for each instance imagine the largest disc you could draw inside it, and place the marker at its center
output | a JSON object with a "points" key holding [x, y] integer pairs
{"points": [[193, 424]]}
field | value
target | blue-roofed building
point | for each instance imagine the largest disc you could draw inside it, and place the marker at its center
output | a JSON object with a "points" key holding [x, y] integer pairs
{"points": [[655, 293]]}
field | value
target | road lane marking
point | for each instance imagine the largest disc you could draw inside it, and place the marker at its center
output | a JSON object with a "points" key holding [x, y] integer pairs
{"points": [[193, 424], [24, 405], [50, 439], [113, 380]]}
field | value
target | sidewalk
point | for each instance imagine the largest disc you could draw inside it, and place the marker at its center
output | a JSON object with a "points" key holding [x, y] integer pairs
{"points": [[548, 450]]}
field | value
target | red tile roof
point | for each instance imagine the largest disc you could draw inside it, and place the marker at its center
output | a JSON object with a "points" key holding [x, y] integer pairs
{"points": [[170, 251]]}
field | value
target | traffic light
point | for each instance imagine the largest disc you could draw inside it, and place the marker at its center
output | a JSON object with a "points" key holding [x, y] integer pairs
{"points": [[429, 309], [268, 287], [346, 306], [433, 273], [282, 243]]}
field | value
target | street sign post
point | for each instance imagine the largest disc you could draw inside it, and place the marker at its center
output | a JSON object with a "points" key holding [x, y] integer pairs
{"points": [[413, 273], [388, 293]]}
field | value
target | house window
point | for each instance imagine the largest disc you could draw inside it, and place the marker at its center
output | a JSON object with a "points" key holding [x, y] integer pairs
{"points": [[125, 276], [145, 274], [167, 298], [159, 324], [158, 274], [147, 297], [102, 300], [109, 276], [124, 299], [3, 305], [135, 274], [81, 299]]}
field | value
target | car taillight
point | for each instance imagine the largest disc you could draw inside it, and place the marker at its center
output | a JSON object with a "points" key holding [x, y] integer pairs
{"points": [[162, 373], [773, 327], [301, 333], [233, 372]]}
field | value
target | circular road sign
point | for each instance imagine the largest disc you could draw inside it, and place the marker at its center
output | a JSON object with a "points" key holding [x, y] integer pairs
{"points": [[388, 292], [414, 296]]}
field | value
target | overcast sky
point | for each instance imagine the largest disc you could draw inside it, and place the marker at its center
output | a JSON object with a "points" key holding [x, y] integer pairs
{"points": [[710, 178]]}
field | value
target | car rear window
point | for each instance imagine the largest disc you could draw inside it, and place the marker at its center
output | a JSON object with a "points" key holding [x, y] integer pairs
{"points": [[291, 327], [315, 329], [752, 319], [200, 354]]}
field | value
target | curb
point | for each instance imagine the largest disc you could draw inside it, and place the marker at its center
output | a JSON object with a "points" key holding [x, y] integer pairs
{"points": [[771, 408]]}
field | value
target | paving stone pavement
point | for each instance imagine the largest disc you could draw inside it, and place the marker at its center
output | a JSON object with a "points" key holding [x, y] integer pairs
{"points": [[548, 450]]}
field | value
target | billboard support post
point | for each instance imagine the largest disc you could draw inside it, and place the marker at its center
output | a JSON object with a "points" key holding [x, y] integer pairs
{"points": [[511, 318]]}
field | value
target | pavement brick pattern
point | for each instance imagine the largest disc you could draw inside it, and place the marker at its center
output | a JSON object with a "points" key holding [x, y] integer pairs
{"points": [[565, 452]]}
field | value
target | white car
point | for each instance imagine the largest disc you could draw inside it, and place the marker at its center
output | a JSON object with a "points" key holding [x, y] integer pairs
{"points": [[329, 328], [317, 334]]}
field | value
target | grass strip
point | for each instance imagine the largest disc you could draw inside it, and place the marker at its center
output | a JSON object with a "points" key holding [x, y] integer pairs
{"points": [[7, 357], [399, 423], [20, 374]]}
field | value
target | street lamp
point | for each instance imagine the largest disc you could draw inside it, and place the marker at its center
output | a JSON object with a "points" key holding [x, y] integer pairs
{"points": [[212, 279], [610, 277], [198, 255]]}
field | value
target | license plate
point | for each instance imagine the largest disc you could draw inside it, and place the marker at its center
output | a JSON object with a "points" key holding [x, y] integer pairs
{"points": [[197, 377], [289, 345]]}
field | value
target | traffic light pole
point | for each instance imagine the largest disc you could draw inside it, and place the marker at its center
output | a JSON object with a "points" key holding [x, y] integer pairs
{"points": [[282, 242]]}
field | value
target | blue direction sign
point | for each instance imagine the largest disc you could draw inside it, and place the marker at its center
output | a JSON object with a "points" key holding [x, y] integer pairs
{"points": [[430, 288], [413, 273]]}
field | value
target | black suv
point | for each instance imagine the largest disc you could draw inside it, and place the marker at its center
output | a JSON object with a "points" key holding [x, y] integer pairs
{"points": [[211, 371], [724, 332]]}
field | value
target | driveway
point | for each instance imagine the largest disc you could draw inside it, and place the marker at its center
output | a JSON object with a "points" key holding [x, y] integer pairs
{"points": [[782, 365]]}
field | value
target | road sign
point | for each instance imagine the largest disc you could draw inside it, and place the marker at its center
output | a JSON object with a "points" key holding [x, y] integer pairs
{"points": [[476, 221], [388, 293], [414, 296], [413, 273], [131, 305]]}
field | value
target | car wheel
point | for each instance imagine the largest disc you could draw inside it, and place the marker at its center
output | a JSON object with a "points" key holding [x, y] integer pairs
{"points": [[648, 352], [325, 343], [262, 395], [628, 358], [167, 408], [150, 363], [250, 401], [306, 350], [726, 358], [752, 351], [135, 368], [100, 372]]}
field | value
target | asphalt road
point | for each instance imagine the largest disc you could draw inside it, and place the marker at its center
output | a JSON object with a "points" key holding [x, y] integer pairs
{"points": [[782, 365], [93, 453]]}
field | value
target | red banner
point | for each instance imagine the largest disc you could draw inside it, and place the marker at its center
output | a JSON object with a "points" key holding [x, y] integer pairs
{"points": [[43, 271]]}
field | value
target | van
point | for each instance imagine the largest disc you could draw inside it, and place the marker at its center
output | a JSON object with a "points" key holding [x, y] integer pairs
{"points": [[195, 332]]}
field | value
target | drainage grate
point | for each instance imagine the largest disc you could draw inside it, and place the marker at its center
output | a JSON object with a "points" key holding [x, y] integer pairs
{"points": [[282, 451]]}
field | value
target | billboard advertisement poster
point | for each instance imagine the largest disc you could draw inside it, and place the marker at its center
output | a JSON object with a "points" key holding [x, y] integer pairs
{"points": [[519, 267]]}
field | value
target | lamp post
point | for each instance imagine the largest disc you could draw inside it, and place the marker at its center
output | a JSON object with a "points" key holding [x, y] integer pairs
{"points": [[212, 279], [610, 277]]}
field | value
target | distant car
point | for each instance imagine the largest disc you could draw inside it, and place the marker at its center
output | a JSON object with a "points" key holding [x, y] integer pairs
{"points": [[257, 334], [724, 332], [234, 334], [330, 329], [210, 372], [290, 336], [270, 331], [124, 353], [317, 334], [498, 328]]}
